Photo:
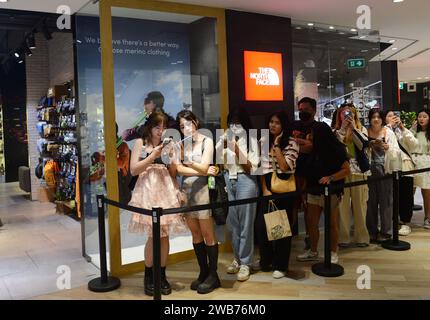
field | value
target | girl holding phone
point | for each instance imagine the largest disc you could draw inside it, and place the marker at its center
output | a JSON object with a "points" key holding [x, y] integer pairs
{"points": [[155, 187]]}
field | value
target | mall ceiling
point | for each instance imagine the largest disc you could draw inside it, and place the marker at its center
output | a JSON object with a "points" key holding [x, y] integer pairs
{"points": [[406, 22]]}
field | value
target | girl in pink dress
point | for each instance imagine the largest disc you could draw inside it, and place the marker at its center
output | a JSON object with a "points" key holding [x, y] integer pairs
{"points": [[155, 187]]}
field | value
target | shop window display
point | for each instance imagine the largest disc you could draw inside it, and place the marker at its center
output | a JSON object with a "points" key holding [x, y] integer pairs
{"points": [[172, 55]]}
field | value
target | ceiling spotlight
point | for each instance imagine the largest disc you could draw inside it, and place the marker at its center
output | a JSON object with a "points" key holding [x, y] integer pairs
{"points": [[397, 1], [341, 32], [362, 37], [394, 49], [3, 0], [20, 61], [298, 28], [392, 41], [310, 24], [353, 30], [31, 41], [27, 50], [331, 28]]}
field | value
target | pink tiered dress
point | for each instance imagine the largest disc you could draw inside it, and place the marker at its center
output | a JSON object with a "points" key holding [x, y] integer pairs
{"points": [[156, 188]]}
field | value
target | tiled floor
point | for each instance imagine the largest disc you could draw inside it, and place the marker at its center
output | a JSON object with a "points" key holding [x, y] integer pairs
{"points": [[34, 243]]}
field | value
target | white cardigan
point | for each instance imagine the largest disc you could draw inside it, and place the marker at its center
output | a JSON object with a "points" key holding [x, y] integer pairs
{"points": [[393, 156], [408, 141]]}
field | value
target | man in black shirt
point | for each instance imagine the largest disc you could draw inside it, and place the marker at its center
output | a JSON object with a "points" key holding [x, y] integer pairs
{"points": [[301, 130]]}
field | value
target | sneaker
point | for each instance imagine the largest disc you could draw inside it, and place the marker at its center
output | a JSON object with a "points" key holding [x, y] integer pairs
{"points": [[243, 274], [427, 223], [361, 245], [278, 274], [404, 230], [308, 256], [344, 245], [334, 258], [255, 266], [383, 237], [234, 267]]}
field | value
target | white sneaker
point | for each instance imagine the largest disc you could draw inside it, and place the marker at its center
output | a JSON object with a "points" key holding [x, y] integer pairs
{"points": [[405, 230], [234, 267], [308, 256], [334, 258], [427, 223], [278, 274], [243, 274]]}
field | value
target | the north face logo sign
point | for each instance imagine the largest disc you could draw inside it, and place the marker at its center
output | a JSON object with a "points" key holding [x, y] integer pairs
{"points": [[265, 77]]}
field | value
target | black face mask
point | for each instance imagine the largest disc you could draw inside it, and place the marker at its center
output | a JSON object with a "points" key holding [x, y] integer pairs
{"points": [[304, 116]]}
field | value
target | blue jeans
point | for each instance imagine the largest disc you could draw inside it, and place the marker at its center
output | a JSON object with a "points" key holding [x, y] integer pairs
{"points": [[240, 220]]}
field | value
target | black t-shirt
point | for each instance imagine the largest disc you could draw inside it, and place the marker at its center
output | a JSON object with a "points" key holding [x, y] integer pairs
{"points": [[304, 129], [318, 168]]}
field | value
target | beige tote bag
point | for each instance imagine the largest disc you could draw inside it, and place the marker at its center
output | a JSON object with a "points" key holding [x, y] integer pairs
{"points": [[277, 224]]}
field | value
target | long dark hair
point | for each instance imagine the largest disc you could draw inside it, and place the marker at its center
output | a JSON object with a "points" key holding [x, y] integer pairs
{"points": [[286, 128], [189, 116], [155, 119], [326, 146], [420, 128]]}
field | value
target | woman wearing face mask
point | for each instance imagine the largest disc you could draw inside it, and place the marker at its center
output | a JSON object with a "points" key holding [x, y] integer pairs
{"points": [[328, 164], [240, 156], [385, 155], [197, 157], [407, 143], [421, 157], [355, 198], [155, 187], [283, 153]]}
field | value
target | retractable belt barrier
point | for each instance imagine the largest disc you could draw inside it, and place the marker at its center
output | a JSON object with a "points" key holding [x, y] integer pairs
{"points": [[326, 269]]}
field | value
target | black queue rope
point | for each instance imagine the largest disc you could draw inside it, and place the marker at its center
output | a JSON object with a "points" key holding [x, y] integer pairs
{"points": [[327, 269]]}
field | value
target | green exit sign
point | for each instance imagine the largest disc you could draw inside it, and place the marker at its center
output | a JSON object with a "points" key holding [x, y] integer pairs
{"points": [[356, 63]]}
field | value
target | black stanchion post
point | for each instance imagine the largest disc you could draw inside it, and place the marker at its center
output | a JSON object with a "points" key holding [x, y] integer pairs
{"points": [[327, 269], [104, 283], [395, 244], [156, 247]]}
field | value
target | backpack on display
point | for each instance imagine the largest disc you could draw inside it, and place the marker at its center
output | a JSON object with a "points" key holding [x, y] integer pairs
{"points": [[50, 170]]}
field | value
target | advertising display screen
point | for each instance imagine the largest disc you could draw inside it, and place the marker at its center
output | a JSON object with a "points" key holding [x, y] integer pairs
{"points": [[263, 76]]}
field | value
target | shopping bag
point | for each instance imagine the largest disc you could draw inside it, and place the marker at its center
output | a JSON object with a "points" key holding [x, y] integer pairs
{"points": [[277, 223]]}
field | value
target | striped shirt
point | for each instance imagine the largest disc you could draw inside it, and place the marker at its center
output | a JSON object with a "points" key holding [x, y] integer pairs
{"points": [[290, 153]]}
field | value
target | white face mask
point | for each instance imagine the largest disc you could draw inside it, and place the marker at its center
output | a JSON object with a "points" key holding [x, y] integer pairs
{"points": [[236, 128]]}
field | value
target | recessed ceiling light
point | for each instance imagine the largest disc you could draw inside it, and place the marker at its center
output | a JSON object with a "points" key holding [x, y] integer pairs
{"points": [[310, 24], [392, 41], [299, 28], [427, 77], [341, 32], [362, 37], [419, 78], [353, 30], [397, 1], [331, 28], [394, 49], [364, 50], [3, 0]]}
